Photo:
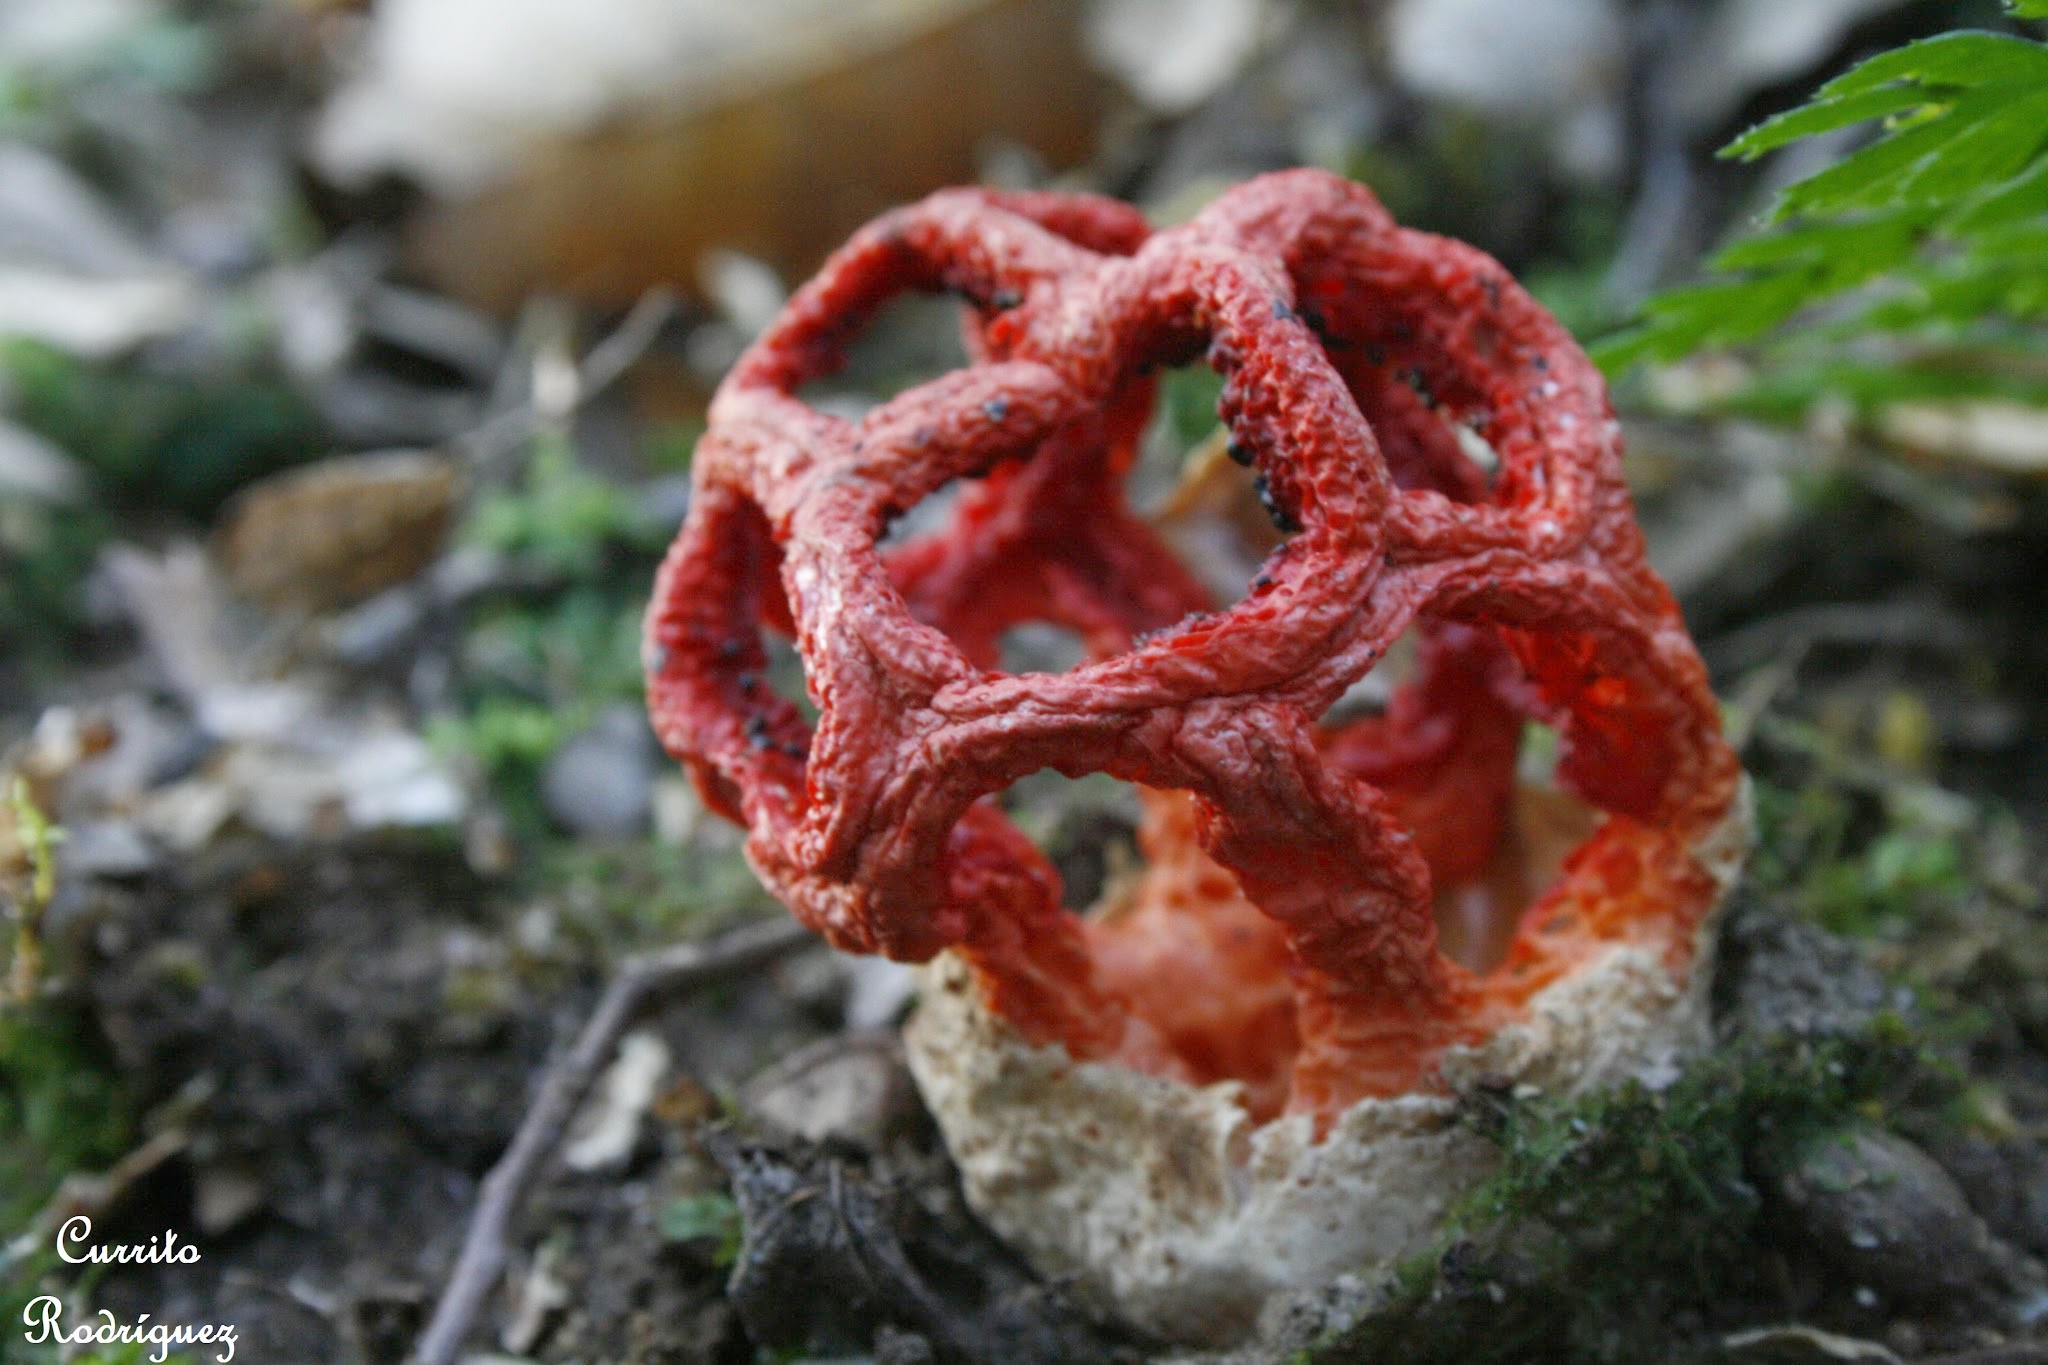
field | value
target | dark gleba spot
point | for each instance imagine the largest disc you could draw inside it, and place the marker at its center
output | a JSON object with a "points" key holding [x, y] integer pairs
{"points": [[996, 409], [1415, 379], [1283, 520]]}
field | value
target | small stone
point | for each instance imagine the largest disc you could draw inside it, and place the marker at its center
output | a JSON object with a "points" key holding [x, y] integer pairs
{"points": [[225, 1197], [378, 629], [394, 780], [106, 848], [1782, 977], [1886, 1215], [896, 1347], [600, 783], [852, 1088], [32, 467]]}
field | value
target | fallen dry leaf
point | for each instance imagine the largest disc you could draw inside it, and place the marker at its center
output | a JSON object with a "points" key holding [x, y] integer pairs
{"points": [[2011, 438], [338, 531]]}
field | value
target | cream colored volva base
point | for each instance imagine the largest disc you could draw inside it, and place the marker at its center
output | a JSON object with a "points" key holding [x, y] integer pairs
{"points": [[1168, 1207]]}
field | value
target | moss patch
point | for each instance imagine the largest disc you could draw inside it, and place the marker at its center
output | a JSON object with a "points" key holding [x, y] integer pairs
{"points": [[1630, 1225]]}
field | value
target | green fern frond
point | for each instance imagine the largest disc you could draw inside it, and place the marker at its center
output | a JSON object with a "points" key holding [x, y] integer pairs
{"points": [[1938, 223]]}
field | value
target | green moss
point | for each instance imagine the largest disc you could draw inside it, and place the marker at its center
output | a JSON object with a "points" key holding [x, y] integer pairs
{"points": [[62, 1110], [509, 740], [535, 674], [28, 892], [45, 554], [156, 440], [537, 667], [1617, 1221], [579, 646], [132, 1354], [1856, 870], [712, 1218], [563, 520]]}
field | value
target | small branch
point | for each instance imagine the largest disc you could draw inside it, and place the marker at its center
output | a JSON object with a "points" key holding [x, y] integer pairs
{"points": [[612, 357], [1870, 625], [1927, 801], [602, 366], [92, 1195], [640, 981]]}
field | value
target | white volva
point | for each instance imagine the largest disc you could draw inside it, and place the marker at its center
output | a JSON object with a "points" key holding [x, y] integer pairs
{"points": [[1167, 1206]]}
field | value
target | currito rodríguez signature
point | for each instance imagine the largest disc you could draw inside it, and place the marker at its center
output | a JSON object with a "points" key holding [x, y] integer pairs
{"points": [[44, 1317]]}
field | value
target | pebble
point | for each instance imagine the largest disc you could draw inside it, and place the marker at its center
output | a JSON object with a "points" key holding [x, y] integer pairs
{"points": [[600, 783], [852, 1088], [1887, 1216], [106, 848]]}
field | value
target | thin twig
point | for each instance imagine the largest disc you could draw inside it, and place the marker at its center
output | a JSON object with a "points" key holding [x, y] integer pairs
{"points": [[1875, 625], [613, 356], [1812, 1341], [1928, 802], [640, 981], [92, 1195], [601, 367], [1752, 700]]}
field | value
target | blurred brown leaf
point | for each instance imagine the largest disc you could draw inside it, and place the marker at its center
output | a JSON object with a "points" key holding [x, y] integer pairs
{"points": [[781, 167], [338, 531]]}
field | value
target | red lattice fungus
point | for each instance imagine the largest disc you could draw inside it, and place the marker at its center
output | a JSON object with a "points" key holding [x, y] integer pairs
{"points": [[1285, 932]]}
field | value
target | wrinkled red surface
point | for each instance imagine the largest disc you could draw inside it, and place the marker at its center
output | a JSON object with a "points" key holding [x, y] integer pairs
{"points": [[1285, 933]]}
